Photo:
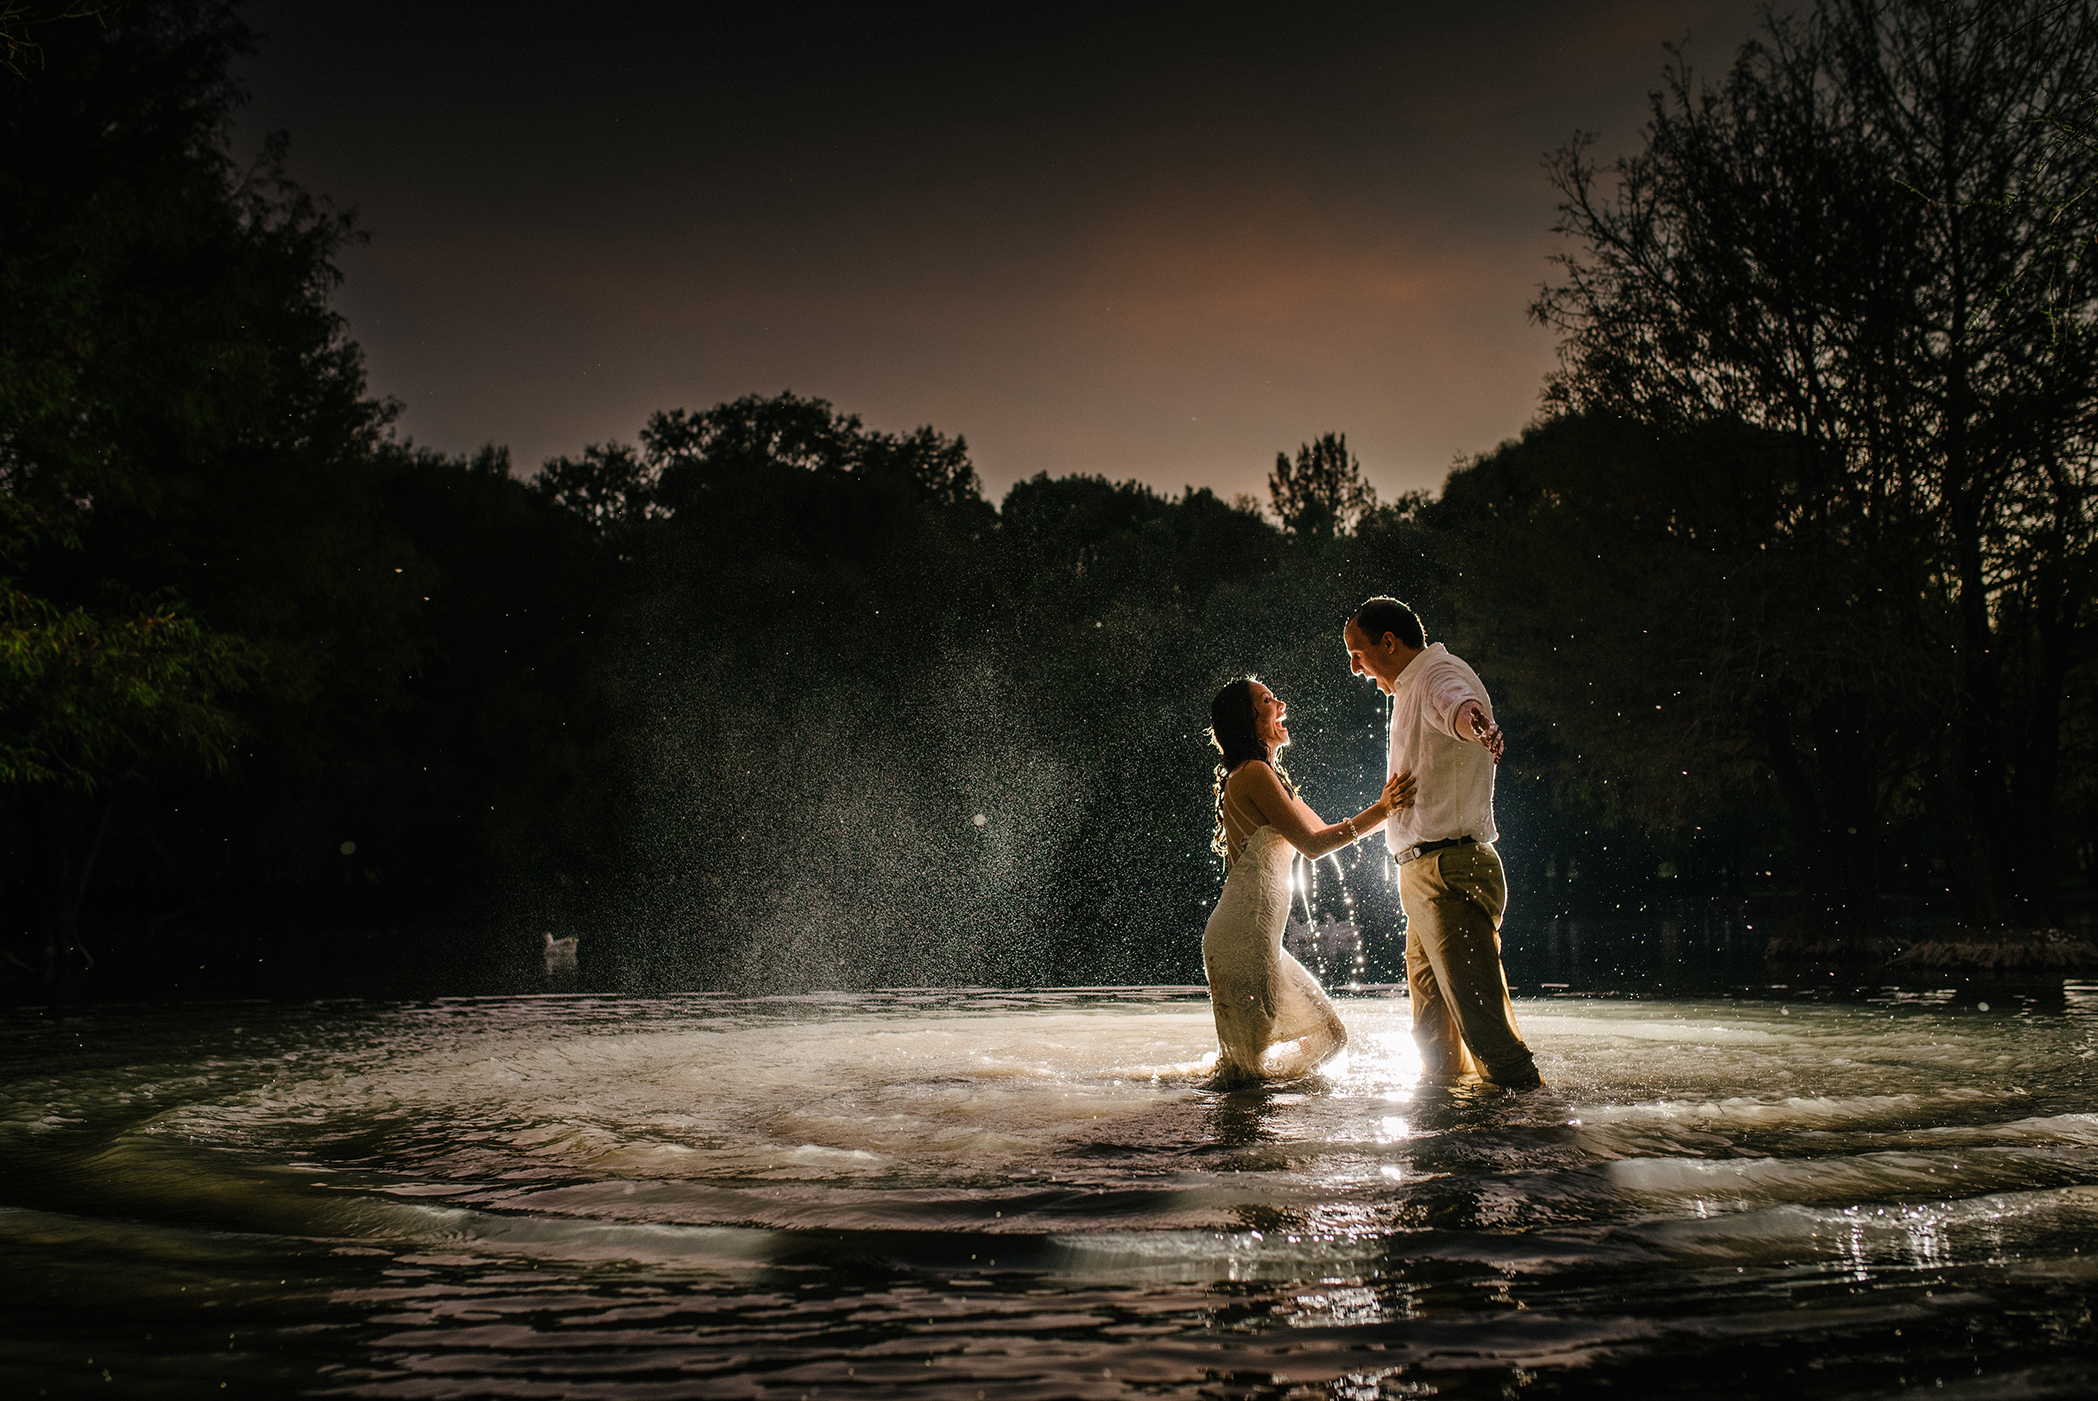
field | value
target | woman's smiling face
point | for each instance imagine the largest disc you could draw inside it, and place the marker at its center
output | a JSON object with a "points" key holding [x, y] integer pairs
{"points": [[1268, 715]]}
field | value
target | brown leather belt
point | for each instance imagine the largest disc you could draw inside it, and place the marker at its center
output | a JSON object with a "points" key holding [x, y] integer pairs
{"points": [[1420, 849]]}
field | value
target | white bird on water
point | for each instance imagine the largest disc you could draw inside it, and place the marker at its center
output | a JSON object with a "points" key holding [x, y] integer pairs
{"points": [[560, 954]]}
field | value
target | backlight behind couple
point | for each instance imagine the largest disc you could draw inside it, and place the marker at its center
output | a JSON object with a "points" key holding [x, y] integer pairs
{"points": [[1274, 1022]]}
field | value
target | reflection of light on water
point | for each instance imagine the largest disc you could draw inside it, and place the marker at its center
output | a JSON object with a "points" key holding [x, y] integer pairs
{"points": [[1853, 1248], [971, 1159], [1383, 1382], [1383, 1058], [1926, 1235], [1336, 1306], [720, 1111]]}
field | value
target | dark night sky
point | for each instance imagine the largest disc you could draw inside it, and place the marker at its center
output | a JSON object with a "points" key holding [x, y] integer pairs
{"points": [[1162, 246]]}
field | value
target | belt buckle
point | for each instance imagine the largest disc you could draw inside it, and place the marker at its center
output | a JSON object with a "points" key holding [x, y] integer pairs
{"points": [[1420, 849]]}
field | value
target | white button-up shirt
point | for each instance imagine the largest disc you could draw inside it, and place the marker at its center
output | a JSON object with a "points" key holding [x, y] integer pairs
{"points": [[1455, 796]]}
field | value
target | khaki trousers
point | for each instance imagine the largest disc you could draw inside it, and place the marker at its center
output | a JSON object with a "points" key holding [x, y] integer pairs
{"points": [[1462, 1019]]}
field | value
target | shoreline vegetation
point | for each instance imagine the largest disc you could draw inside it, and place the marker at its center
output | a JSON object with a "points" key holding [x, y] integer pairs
{"points": [[1790, 592], [2041, 952]]}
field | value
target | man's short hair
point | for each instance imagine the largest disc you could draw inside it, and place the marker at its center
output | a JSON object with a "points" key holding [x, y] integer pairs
{"points": [[1380, 615]]}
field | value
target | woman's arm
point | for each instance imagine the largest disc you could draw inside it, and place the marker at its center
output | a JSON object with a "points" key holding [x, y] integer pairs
{"points": [[1304, 829]]}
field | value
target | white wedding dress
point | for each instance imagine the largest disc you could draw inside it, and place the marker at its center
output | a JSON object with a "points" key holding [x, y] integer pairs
{"points": [[1274, 1021]]}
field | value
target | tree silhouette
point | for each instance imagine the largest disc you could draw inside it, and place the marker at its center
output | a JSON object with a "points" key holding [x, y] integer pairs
{"points": [[751, 433], [1322, 493], [192, 555], [1796, 250]]}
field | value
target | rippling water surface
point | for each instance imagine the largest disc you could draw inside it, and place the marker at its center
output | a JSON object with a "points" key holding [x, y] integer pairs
{"points": [[1037, 1195]]}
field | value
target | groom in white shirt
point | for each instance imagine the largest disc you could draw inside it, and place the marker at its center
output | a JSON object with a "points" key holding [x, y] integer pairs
{"points": [[1450, 878]]}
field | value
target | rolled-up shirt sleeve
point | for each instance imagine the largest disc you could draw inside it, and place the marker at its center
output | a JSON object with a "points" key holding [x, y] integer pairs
{"points": [[1455, 774], [1447, 689]]}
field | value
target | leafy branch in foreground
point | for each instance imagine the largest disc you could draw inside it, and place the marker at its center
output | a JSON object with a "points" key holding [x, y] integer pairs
{"points": [[87, 695], [19, 22]]}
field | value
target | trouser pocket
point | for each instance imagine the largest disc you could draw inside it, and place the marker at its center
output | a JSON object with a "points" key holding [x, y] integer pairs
{"points": [[1475, 872]]}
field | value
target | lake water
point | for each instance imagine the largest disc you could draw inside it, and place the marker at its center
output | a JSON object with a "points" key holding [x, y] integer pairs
{"points": [[963, 1194]]}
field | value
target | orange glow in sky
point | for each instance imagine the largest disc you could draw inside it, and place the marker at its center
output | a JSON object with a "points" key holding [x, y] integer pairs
{"points": [[1163, 249]]}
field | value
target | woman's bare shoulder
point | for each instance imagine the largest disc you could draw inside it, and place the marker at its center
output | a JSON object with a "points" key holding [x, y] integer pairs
{"points": [[1252, 775]]}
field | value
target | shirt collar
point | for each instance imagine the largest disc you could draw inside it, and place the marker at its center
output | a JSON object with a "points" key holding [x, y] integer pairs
{"points": [[1432, 649]]}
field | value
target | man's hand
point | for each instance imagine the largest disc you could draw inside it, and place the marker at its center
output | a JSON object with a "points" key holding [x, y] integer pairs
{"points": [[1472, 721]]}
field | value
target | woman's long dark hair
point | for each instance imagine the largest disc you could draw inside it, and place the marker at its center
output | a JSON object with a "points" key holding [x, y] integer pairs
{"points": [[1235, 732]]}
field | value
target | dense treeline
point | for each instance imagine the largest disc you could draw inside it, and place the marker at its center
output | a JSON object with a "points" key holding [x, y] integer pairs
{"points": [[1791, 592], [1835, 330]]}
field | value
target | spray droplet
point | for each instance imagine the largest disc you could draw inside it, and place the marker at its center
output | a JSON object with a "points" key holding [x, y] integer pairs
{"points": [[349, 848], [979, 819]]}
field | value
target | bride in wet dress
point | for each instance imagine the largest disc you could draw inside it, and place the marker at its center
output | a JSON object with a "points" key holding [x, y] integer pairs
{"points": [[1274, 1021]]}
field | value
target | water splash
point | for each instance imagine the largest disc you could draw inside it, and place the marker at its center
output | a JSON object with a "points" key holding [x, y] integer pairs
{"points": [[879, 1189]]}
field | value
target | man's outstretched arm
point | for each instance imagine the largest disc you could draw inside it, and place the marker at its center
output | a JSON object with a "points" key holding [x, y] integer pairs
{"points": [[1471, 722]]}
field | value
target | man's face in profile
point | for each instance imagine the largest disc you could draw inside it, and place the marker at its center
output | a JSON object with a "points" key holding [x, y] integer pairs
{"points": [[1377, 660]]}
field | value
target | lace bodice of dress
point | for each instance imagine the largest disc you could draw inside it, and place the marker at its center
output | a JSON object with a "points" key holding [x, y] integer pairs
{"points": [[1265, 855]]}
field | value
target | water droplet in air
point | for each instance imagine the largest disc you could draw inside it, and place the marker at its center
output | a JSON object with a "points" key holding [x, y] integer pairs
{"points": [[979, 819], [349, 848]]}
